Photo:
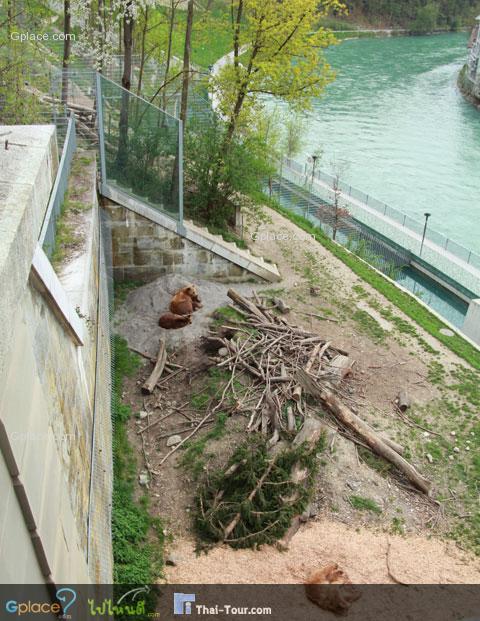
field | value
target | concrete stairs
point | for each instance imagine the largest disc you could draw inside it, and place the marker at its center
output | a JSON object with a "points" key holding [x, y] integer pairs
{"points": [[199, 235]]}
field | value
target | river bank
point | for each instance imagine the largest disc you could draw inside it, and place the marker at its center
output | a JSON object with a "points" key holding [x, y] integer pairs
{"points": [[466, 88], [396, 125]]}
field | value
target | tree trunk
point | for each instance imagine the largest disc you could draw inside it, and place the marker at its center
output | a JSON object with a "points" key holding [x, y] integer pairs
{"points": [[149, 385], [171, 25], [66, 49], [122, 152], [362, 430], [128, 25], [186, 62], [184, 101], [142, 51]]}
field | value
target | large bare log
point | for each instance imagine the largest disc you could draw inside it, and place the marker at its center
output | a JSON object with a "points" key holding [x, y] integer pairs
{"points": [[246, 304], [353, 422], [151, 382]]}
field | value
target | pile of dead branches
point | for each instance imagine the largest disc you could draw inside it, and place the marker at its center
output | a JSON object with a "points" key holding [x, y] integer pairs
{"points": [[290, 373]]}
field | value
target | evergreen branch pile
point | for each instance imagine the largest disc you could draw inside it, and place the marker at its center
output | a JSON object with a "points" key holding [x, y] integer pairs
{"points": [[252, 502]]}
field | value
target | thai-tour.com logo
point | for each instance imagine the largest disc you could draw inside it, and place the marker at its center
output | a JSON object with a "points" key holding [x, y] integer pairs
{"points": [[184, 604], [66, 597]]}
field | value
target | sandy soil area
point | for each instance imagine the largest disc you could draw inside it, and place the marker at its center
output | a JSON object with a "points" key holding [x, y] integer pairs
{"points": [[363, 555]]}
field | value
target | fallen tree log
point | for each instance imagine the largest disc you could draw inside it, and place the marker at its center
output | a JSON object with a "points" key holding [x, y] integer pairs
{"points": [[247, 305], [403, 401], [361, 429], [155, 375]]}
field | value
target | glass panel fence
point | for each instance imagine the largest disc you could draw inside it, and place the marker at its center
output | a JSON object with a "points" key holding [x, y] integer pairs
{"points": [[142, 149]]}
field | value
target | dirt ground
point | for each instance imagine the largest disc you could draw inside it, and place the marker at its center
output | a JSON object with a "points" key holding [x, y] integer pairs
{"points": [[386, 360], [362, 554]]}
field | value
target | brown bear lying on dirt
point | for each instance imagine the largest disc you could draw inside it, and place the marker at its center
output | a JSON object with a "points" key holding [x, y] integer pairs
{"points": [[185, 301], [171, 321], [331, 589]]}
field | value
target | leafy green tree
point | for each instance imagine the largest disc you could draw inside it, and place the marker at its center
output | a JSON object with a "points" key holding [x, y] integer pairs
{"points": [[243, 170], [426, 20], [276, 51]]}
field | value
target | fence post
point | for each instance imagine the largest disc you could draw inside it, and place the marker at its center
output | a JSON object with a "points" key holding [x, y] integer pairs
{"points": [[180, 172], [101, 137]]}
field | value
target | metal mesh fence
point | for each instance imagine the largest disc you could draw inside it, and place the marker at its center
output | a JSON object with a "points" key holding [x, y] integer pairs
{"points": [[459, 265], [57, 196], [380, 252], [100, 558], [141, 148]]}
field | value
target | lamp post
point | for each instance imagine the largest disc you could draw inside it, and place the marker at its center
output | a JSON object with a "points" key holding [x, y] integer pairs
{"points": [[427, 215], [314, 166]]}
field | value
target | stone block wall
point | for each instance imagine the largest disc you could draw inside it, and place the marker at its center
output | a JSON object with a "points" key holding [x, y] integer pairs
{"points": [[143, 250]]}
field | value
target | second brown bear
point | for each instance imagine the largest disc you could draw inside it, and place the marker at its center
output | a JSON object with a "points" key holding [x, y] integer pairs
{"points": [[185, 301]]}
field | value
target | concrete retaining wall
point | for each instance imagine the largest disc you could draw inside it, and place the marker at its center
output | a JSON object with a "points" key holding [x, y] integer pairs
{"points": [[49, 398]]}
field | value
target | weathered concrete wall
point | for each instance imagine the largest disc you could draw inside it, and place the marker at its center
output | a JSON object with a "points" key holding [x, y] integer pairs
{"points": [[469, 88], [143, 250], [49, 398], [471, 325]]}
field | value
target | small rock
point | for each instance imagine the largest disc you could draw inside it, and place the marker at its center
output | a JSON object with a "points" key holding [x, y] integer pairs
{"points": [[223, 351], [450, 457], [453, 433], [142, 415], [467, 448], [426, 434], [446, 332], [456, 449], [305, 515], [173, 559], [172, 440], [353, 485], [143, 478], [430, 458], [313, 510]]}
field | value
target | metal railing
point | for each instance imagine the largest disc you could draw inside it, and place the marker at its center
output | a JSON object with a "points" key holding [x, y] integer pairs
{"points": [[469, 256], [57, 195], [449, 257]]}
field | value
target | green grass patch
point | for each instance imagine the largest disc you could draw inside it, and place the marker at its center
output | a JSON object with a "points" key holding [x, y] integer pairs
{"points": [[228, 236], [364, 504], [193, 459], [137, 537], [211, 36], [369, 326], [382, 466], [406, 303], [122, 289]]}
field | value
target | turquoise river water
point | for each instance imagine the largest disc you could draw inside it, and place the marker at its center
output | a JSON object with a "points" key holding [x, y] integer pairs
{"points": [[396, 123]]}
